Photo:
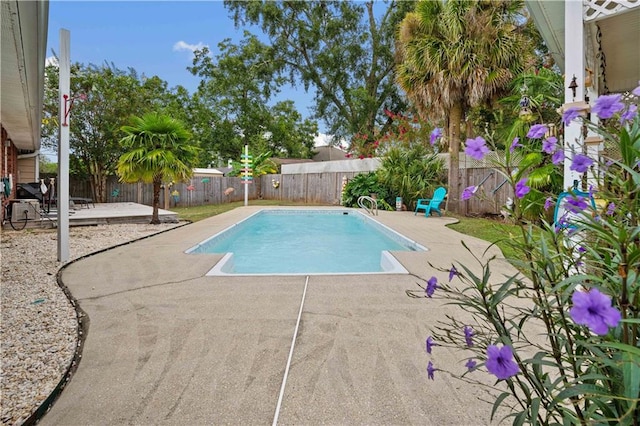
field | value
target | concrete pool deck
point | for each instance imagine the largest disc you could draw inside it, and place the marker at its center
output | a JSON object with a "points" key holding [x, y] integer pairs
{"points": [[169, 345]]}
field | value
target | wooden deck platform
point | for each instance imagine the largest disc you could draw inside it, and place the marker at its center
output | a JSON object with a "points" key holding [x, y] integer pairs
{"points": [[98, 214]]}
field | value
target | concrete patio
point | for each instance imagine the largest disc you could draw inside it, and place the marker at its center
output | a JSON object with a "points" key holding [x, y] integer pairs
{"points": [[169, 345]]}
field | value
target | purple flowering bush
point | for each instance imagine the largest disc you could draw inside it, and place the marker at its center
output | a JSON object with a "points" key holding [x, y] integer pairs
{"points": [[561, 338]]}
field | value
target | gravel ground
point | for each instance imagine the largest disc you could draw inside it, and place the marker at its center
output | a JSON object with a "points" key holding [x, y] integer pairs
{"points": [[38, 327]]}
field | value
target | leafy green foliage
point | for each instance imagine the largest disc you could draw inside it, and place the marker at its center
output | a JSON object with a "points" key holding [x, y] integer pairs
{"points": [[366, 184], [572, 318], [455, 55], [109, 96], [532, 97], [158, 151], [341, 49], [47, 167], [234, 96], [411, 173]]}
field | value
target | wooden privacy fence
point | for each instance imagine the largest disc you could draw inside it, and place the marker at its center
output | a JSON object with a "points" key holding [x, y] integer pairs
{"points": [[492, 193], [311, 188]]}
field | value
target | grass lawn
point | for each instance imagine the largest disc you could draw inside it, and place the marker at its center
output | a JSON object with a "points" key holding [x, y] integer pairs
{"points": [[500, 233], [486, 229], [197, 213]]}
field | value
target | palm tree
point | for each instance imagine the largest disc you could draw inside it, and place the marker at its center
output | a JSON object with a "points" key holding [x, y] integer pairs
{"points": [[456, 54], [159, 150]]}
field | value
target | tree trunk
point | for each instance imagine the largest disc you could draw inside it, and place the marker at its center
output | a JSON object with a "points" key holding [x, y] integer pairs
{"points": [[95, 184], [155, 218], [98, 181], [103, 189], [455, 119]]}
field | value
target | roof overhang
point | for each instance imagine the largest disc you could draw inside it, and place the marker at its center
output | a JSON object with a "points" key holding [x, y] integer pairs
{"points": [[613, 32], [24, 45]]}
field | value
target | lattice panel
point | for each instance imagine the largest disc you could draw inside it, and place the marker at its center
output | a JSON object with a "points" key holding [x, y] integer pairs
{"points": [[595, 9], [489, 161]]}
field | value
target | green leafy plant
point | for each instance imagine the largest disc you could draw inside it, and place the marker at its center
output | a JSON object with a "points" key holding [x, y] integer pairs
{"points": [[366, 184], [411, 172], [159, 150], [562, 338]]}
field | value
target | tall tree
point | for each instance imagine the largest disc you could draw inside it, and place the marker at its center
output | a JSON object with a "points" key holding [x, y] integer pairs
{"points": [[237, 87], [158, 151], [342, 49], [289, 135], [457, 54], [110, 96]]}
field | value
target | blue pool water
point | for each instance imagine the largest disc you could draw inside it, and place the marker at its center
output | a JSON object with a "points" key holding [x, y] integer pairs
{"points": [[276, 242]]}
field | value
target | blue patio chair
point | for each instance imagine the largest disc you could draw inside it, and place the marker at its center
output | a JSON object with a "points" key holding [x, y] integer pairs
{"points": [[431, 204]]}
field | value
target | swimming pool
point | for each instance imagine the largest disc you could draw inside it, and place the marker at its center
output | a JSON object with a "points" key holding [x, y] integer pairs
{"points": [[306, 242]]}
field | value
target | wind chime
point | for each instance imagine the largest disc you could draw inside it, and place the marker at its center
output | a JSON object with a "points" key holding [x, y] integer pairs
{"points": [[525, 104]]}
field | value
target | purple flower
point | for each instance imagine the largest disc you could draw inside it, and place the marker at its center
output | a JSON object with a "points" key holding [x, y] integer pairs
{"points": [[570, 115], [611, 208], [636, 91], [581, 163], [521, 188], [581, 249], [432, 285], [558, 157], [575, 203], [430, 370], [547, 203], [470, 364], [500, 362], [549, 145], [537, 131], [452, 272], [476, 148], [592, 190], [593, 309], [468, 192], [430, 344], [468, 335], [561, 223], [607, 105], [435, 135], [514, 144], [629, 114]]}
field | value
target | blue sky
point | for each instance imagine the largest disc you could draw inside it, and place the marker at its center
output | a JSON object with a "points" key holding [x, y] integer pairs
{"points": [[153, 37]]}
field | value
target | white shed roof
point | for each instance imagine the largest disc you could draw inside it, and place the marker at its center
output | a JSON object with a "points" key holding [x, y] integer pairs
{"points": [[208, 172]]}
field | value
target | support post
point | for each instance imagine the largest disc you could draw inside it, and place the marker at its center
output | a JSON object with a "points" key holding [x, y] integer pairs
{"points": [[64, 86], [246, 182], [574, 66]]}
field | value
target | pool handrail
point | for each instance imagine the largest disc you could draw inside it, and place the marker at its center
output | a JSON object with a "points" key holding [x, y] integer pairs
{"points": [[372, 209]]}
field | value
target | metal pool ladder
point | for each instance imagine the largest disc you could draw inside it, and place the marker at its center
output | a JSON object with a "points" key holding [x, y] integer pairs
{"points": [[370, 204]]}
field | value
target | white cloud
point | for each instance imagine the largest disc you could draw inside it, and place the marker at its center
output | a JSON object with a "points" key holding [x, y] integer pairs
{"points": [[51, 60], [182, 45], [324, 140]]}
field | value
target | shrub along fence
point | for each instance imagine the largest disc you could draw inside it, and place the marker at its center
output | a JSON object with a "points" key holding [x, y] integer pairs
{"points": [[311, 188]]}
